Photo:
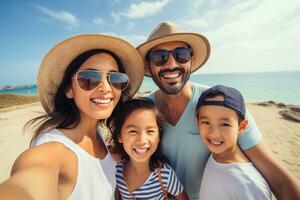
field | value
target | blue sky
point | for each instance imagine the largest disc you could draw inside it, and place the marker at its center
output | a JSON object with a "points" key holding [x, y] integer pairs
{"points": [[246, 36]]}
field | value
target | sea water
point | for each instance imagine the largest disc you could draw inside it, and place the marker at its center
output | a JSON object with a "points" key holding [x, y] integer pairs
{"points": [[256, 87]]}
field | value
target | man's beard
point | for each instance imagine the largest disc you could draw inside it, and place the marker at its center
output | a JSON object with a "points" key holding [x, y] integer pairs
{"points": [[175, 87]]}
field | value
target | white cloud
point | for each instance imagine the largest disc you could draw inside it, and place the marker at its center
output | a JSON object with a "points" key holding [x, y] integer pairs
{"points": [[62, 16], [142, 9], [98, 21], [255, 35]]}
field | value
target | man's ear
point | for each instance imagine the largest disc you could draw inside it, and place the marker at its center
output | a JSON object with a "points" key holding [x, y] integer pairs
{"points": [[243, 125], [69, 93], [193, 58]]}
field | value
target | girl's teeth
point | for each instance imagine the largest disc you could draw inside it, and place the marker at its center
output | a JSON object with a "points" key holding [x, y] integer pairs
{"points": [[138, 150]]}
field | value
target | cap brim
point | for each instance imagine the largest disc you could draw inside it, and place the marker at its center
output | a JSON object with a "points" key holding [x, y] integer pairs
{"points": [[197, 42], [60, 56]]}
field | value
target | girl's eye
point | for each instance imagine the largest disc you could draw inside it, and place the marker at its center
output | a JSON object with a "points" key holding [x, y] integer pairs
{"points": [[150, 132], [132, 132]]}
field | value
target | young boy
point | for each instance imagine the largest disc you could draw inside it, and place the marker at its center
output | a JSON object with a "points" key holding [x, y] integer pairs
{"points": [[228, 173]]}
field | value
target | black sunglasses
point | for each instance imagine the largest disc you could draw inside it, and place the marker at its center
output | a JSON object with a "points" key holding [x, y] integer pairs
{"points": [[160, 57], [90, 79]]}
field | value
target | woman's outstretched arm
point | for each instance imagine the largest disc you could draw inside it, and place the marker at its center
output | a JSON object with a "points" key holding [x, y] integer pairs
{"points": [[35, 174]]}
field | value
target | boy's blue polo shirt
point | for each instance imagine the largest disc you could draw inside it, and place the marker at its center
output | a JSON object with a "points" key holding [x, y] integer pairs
{"points": [[186, 150]]}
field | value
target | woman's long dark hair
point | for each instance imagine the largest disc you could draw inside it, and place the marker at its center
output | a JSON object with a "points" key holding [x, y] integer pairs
{"points": [[117, 120], [65, 113]]}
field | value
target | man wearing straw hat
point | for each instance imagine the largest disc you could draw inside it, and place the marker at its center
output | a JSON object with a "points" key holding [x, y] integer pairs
{"points": [[170, 56]]}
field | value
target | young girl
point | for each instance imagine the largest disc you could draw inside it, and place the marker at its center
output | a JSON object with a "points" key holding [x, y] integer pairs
{"points": [[143, 172]]}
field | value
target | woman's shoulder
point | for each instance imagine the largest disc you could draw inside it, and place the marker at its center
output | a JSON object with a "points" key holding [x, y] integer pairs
{"points": [[47, 154]]}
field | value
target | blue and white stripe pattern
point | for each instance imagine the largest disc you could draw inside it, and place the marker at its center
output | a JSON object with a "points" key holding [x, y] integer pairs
{"points": [[151, 188]]}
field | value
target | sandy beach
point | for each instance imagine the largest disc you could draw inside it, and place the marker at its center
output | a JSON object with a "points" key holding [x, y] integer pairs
{"points": [[282, 135]]}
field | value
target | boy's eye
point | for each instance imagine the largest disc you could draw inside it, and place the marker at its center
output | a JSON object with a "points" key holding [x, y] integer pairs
{"points": [[204, 122], [224, 124]]}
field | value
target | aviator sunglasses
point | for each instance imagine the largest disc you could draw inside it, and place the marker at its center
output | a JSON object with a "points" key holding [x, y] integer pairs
{"points": [[91, 79], [160, 57]]}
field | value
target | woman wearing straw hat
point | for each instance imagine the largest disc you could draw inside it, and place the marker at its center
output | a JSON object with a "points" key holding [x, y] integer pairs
{"points": [[80, 82]]}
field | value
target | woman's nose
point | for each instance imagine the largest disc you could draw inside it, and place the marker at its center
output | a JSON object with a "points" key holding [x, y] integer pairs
{"points": [[104, 85]]}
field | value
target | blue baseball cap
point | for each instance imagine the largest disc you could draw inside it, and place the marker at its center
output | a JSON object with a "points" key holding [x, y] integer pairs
{"points": [[232, 99]]}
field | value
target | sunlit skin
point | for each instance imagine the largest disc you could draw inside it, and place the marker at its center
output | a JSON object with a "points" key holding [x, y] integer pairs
{"points": [[219, 129], [97, 103], [171, 82], [140, 137]]}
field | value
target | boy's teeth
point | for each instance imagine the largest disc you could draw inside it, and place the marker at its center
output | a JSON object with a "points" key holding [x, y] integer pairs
{"points": [[104, 101], [215, 142]]}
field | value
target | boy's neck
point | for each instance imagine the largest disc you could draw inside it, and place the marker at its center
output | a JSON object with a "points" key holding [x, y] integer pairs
{"points": [[232, 155]]}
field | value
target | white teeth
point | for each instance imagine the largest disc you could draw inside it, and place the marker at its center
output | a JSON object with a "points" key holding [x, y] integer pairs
{"points": [[101, 101], [171, 75], [215, 142], [141, 150]]}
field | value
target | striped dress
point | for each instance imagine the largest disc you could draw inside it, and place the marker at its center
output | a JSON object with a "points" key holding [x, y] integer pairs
{"points": [[151, 188]]}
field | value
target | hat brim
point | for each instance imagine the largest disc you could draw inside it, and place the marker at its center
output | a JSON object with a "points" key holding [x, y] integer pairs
{"points": [[197, 42], [55, 62]]}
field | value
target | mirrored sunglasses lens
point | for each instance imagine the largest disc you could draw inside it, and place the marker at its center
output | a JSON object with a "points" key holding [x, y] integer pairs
{"points": [[88, 80], [182, 55], [159, 58], [118, 80]]}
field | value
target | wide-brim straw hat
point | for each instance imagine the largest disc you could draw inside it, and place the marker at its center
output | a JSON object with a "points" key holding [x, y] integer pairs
{"points": [[57, 59], [169, 32]]}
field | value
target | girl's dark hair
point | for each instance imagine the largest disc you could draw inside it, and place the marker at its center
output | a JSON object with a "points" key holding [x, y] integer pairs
{"points": [[65, 113], [117, 120]]}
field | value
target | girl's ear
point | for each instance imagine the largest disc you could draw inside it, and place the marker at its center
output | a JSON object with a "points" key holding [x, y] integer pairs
{"points": [[120, 140], [243, 125], [69, 93]]}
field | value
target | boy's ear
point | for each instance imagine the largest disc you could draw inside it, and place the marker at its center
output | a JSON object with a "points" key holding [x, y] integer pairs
{"points": [[243, 125]]}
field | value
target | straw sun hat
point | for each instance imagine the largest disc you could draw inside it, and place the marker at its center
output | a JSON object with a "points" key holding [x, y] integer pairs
{"points": [[57, 59], [169, 32]]}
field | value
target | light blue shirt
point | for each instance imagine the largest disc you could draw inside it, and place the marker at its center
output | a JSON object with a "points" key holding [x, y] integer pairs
{"points": [[185, 149]]}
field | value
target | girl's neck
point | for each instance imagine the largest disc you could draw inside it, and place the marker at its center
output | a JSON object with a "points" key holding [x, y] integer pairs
{"points": [[138, 167]]}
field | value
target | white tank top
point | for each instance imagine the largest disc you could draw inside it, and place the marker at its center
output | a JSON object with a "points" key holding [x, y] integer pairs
{"points": [[95, 177]]}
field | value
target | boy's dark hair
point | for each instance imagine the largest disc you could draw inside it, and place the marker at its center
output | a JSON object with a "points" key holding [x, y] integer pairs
{"points": [[117, 120]]}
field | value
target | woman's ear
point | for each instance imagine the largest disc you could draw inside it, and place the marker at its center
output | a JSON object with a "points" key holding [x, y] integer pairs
{"points": [[69, 93], [243, 125]]}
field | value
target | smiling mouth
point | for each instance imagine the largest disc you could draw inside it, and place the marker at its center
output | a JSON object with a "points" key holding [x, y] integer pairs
{"points": [[141, 151], [172, 75], [102, 102], [215, 143]]}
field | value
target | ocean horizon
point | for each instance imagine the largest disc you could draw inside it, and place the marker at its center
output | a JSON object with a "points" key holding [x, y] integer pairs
{"points": [[256, 87]]}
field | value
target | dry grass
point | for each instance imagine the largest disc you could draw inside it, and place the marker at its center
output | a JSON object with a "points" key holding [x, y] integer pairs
{"points": [[8, 100]]}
